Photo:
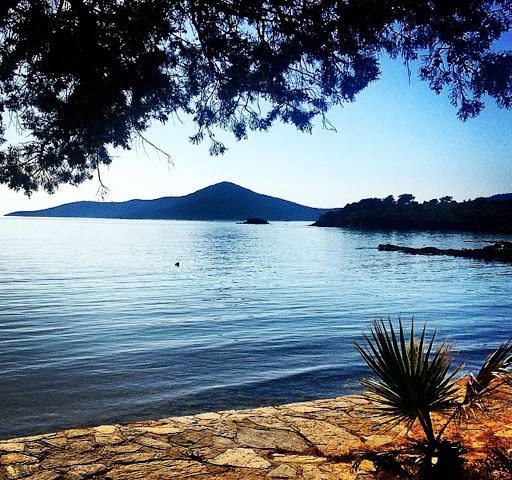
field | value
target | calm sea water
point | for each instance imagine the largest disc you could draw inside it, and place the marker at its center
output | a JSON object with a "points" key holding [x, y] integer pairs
{"points": [[97, 325]]}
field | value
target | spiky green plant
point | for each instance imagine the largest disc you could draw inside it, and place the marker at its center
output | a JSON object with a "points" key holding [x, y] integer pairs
{"points": [[493, 374], [415, 379]]}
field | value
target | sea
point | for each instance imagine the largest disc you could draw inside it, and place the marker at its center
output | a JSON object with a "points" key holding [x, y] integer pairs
{"points": [[99, 325]]}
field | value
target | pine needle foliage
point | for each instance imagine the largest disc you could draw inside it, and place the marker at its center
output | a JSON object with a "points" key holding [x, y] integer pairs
{"points": [[81, 79]]}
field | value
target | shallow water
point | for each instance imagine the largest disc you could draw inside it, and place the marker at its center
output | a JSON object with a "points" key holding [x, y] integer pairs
{"points": [[97, 325]]}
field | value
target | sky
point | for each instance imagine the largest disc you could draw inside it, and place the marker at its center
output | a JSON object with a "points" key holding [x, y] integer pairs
{"points": [[397, 137]]}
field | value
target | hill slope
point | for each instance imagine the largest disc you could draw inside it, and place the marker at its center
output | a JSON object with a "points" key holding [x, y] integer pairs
{"points": [[223, 201], [479, 215]]}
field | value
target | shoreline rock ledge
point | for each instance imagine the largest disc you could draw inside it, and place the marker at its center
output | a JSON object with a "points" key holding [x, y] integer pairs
{"points": [[499, 251], [317, 440]]}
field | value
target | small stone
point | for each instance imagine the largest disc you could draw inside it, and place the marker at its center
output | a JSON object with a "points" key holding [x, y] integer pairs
{"points": [[108, 438], [338, 471], [208, 416], [59, 442], [80, 472], [357, 400], [240, 457], [12, 447], [82, 446], [157, 470], [19, 471], [153, 442], [106, 429], [13, 471], [374, 441], [163, 430], [298, 458], [117, 449], [303, 408], [65, 459], [283, 471], [128, 458], [45, 475], [76, 432], [11, 458], [367, 466], [507, 433], [271, 439], [312, 472], [330, 439]]}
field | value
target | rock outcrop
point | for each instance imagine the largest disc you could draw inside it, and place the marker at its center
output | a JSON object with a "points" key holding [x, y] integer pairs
{"points": [[498, 251], [255, 221]]}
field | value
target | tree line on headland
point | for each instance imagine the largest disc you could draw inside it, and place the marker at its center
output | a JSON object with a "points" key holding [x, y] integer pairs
{"points": [[493, 214]]}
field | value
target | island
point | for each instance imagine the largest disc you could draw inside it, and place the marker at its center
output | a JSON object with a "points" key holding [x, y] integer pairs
{"points": [[255, 221], [222, 201]]}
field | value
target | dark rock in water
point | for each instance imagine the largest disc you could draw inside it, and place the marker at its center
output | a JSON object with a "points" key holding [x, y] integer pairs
{"points": [[255, 221], [499, 251]]}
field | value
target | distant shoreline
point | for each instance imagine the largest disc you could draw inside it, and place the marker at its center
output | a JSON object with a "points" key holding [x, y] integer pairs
{"points": [[484, 215]]}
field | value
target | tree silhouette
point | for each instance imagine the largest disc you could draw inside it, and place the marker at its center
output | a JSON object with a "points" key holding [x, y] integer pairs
{"points": [[479, 215], [78, 77], [405, 199]]}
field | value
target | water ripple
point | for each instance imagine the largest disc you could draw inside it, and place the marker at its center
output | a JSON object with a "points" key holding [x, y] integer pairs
{"points": [[97, 324]]}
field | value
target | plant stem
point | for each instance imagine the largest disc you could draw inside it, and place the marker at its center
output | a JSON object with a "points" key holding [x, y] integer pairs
{"points": [[450, 419], [426, 424]]}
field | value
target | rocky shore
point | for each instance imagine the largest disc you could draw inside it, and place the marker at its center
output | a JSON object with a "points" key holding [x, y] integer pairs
{"points": [[319, 440], [498, 251]]}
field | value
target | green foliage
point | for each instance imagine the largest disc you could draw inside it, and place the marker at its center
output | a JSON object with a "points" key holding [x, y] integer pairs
{"points": [[78, 77], [493, 374], [415, 379]]}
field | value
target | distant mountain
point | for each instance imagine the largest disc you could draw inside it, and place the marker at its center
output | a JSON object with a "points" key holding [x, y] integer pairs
{"points": [[223, 201]]}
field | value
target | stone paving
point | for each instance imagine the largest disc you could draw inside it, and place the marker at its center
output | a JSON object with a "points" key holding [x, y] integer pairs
{"points": [[304, 441]]}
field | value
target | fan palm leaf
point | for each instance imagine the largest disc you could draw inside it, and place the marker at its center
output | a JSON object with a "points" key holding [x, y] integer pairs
{"points": [[413, 377], [493, 374]]}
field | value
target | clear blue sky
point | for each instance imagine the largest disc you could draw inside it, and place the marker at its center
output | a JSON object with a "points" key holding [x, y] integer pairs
{"points": [[397, 137]]}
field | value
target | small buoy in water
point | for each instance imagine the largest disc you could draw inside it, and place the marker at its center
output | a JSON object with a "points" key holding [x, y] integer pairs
{"points": [[177, 264]]}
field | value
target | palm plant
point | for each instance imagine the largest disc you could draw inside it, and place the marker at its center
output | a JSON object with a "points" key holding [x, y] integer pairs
{"points": [[415, 379]]}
